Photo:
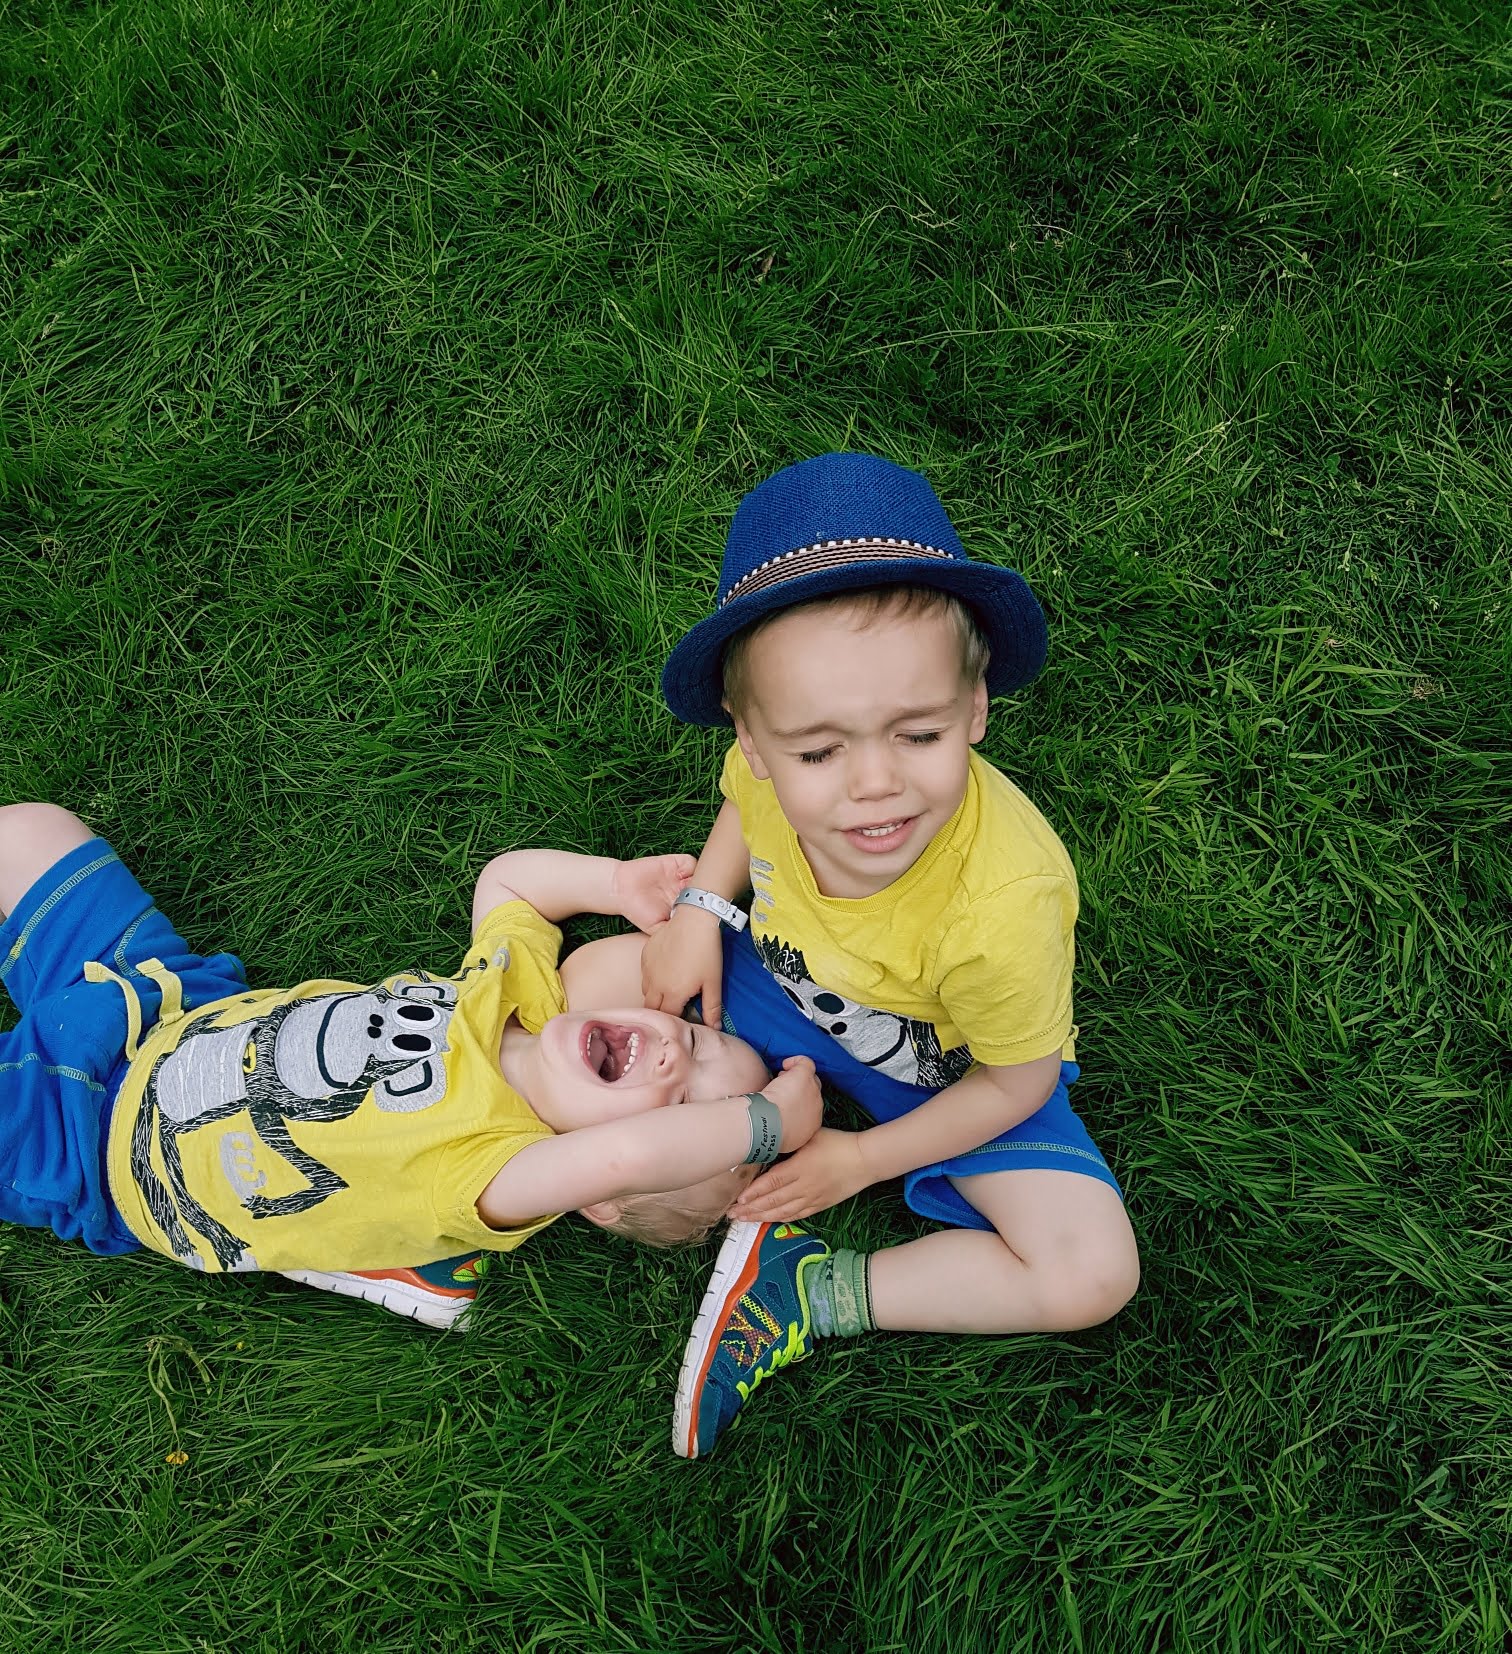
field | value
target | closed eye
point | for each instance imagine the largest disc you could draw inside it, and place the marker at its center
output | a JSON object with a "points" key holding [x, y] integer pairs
{"points": [[924, 738], [817, 756]]}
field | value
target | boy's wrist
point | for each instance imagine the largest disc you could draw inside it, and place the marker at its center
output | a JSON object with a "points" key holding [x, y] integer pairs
{"points": [[717, 907], [872, 1157], [693, 918]]}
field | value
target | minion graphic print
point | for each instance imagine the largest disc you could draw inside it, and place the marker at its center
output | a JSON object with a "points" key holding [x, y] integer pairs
{"points": [[903, 1048], [309, 1061], [310, 1126]]}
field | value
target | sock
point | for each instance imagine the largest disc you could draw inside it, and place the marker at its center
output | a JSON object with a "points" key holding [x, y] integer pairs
{"points": [[839, 1295]]}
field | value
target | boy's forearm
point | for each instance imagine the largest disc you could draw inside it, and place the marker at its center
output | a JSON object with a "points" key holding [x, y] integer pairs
{"points": [[983, 1105], [668, 1148], [672, 1148], [724, 864], [556, 883]]}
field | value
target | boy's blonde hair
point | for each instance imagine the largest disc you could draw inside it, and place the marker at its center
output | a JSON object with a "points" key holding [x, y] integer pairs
{"points": [[681, 1217], [865, 606]]}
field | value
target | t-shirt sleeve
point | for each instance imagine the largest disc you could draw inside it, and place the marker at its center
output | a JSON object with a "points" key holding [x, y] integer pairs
{"points": [[735, 779], [466, 1170], [515, 938], [1006, 969]]}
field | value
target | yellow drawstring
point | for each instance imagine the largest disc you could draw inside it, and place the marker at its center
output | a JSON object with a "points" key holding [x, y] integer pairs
{"points": [[169, 986]]}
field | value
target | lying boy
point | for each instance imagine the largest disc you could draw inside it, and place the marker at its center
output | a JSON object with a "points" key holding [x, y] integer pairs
{"points": [[911, 927], [149, 1098]]}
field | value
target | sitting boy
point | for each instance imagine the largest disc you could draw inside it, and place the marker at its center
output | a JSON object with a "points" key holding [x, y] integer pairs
{"points": [[910, 928], [148, 1097]]}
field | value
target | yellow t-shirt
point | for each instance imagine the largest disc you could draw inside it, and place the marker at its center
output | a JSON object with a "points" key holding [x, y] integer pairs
{"points": [[332, 1126], [967, 957]]}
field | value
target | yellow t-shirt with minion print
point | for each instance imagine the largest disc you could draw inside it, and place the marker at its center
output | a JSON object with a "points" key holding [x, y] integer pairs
{"points": [[967, 957], [334, 1126]]}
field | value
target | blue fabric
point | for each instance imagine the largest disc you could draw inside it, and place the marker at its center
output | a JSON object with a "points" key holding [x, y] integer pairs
{"points": [[61, 1066], [857, 498], [1051, 1139]]}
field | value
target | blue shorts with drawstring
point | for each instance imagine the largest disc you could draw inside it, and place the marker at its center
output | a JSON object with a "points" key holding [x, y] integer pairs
{"points": [[1051, 1139], [63, 1063]]}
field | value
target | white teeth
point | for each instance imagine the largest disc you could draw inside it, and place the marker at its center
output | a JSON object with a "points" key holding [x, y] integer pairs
{"points": [[879, 832], [635, 1045]]}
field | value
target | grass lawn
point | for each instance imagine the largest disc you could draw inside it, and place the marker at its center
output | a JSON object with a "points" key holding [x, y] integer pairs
{"points": [[377, 381]]}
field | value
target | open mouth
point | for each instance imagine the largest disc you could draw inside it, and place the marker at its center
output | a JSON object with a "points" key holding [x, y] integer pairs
{"points": [[885, 835], [611, 1052]]}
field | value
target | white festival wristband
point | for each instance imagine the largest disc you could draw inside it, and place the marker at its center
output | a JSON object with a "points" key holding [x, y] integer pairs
{"points": [[726, 912], [766, 1130]]}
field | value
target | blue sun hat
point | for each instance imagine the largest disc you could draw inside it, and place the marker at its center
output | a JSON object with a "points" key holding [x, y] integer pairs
{"points": [[834, 524]]}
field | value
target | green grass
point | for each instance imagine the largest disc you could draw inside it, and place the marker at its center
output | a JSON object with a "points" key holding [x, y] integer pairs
{"points": [[377, 381]]}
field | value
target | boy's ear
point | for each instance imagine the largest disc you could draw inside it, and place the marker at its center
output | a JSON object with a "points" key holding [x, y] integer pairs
{"points": [[748, 747], [604, 1213], [978, 726]]}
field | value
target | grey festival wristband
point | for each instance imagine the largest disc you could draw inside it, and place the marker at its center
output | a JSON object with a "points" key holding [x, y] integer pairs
{"points": [[766, 1130], [726, 912]]}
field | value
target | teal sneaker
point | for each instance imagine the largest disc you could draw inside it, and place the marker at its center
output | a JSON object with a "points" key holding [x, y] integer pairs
{"points": [[754, 1320], [437, 1294]]}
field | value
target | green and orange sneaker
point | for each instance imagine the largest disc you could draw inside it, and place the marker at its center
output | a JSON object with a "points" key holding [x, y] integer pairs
{"points": [[437, 1294], [754, 1320]]}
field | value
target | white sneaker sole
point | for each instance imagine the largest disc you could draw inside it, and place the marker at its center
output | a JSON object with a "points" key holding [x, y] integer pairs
{"points": [[734, 1254], [429, 1308]]}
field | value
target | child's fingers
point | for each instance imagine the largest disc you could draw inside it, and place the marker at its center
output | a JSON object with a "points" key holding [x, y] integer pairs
{"points": [[779, 1206], [762, 1188], [660, 999], [712, 996]]}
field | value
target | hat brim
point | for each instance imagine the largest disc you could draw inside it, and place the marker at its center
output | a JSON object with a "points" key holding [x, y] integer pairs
{"points": [[1010, 618]]}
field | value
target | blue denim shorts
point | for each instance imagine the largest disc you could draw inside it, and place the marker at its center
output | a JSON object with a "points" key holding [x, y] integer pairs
{"points": [[61, 1066], [1051, 1139]]}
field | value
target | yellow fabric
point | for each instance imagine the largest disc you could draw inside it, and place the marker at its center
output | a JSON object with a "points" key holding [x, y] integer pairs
{"points": [[975, 942], [169, 987], [333, 1126]]}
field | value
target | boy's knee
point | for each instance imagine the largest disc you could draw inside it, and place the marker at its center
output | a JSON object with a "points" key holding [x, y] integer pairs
{"points": [[1088, 1289], [37, 824], [1109, 1284], [32, 838]]}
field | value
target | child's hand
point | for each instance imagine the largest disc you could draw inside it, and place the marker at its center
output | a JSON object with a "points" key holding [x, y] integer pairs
{"points": [[684, 958], [799, 1101], [828, 1169], [645, 889]]}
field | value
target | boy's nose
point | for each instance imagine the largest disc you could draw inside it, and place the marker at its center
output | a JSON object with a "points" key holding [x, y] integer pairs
{"points": [[873, 774]]}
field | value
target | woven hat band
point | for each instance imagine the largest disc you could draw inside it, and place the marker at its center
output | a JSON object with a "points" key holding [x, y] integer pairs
{"points": [[828, 554]]}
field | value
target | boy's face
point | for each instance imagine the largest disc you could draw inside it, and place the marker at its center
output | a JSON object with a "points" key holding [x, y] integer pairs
{"points": [[593, 1069], [865, 734]]}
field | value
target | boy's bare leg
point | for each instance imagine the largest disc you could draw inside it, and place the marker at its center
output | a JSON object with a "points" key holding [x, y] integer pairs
{"points": [[32, 838], [1063, 1257]]}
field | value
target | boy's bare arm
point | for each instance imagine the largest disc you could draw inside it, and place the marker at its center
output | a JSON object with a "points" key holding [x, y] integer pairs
{"points": [[668, 1148], [836, 1164], [686, 958], [557, 884]]}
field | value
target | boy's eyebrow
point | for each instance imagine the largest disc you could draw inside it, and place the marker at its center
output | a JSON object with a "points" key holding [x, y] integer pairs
{"points": [[907, 716]]}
